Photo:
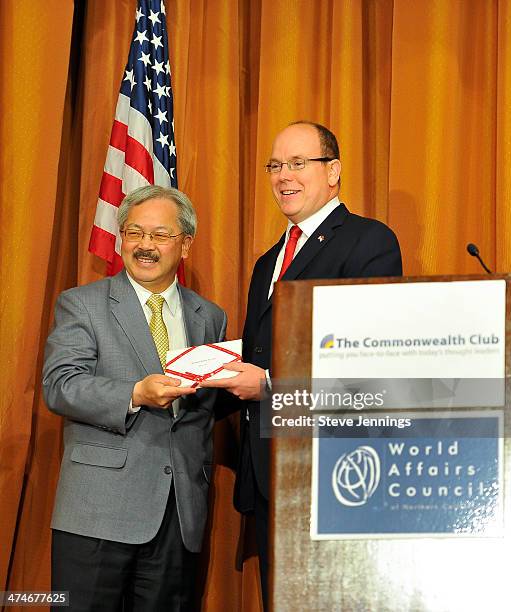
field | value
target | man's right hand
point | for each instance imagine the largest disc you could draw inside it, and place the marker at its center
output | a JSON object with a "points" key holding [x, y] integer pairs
{"points": [[158, 391]]}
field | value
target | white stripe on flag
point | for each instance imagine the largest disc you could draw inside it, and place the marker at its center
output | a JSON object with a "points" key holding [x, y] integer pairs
{"points": [[139, 128], [123, 109], [114, 163], [106, 217], [131, 179], [118, 244], [161, 176]]}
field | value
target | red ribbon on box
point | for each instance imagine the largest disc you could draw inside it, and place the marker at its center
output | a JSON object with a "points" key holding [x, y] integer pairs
{"points": [[198, 378]]}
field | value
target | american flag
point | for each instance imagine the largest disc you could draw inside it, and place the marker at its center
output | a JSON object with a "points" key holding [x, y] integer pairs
{"points": [[142, 149]]}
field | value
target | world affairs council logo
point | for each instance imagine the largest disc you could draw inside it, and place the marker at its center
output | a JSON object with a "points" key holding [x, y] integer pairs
{"points": [[356, 476], [327, 342]]}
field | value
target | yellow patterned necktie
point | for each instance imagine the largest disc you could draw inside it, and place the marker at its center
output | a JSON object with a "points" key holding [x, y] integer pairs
{"points": [[157, 326]]}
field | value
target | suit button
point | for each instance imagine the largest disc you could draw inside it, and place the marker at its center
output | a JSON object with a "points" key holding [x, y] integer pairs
{"points": [[258, 349], [167, 469]]}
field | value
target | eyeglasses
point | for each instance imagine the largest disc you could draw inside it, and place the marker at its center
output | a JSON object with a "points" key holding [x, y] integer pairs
{"points": [[298, 163], [137, 235]]}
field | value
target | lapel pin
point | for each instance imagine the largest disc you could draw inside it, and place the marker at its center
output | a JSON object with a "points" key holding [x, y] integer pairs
{"points": [[321, 238]]}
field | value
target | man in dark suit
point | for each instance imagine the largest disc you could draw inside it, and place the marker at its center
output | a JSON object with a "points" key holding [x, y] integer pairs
{"points": [[131, 502], [323, 240]]}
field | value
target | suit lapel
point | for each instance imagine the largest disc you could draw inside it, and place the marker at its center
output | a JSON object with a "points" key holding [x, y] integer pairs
{"points": [[316, 242], [305, 255], [273, 253], [195, 327], [126, 308]]}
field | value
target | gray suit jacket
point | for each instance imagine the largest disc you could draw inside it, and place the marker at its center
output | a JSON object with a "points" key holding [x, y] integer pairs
{"points": [[117, 469]]}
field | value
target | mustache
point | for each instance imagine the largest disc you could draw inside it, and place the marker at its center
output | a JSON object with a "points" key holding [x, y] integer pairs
{"points": [[142, 254]]}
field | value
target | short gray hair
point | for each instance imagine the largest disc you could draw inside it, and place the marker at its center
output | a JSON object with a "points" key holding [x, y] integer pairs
{"points": [[186, 216]]}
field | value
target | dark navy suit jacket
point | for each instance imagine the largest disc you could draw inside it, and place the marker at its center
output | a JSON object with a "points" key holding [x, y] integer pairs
{"points": [[353, 247]]}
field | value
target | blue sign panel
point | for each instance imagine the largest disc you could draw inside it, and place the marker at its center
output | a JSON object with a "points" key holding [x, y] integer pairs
{"points": [[411, 483]]}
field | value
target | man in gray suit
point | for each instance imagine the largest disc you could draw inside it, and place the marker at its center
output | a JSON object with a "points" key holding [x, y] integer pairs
{"points": [[131, 502]]}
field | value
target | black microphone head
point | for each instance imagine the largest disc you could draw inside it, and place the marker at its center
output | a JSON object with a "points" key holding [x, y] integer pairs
{"points": [[472, 249]]}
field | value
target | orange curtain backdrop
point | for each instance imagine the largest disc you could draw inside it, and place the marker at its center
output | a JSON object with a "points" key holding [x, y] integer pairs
{"points": [[35, 40], [442, 188], [417, 92], [330, 63], [502, 127]]}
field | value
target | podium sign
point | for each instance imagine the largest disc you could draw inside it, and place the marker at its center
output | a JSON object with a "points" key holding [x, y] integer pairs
{"points": [[409, 330], [449, 482], [403, 518], [441, 477]]}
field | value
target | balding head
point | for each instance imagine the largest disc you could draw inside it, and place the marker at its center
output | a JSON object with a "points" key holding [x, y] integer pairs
{"points": [[300, 193]]}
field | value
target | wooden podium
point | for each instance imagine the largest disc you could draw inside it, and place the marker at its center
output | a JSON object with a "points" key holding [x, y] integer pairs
{"points": [[420, 574]]}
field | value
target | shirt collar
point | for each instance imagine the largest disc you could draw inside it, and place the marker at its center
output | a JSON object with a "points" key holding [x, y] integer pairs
{"points": [[311, 224], [170, 294]]}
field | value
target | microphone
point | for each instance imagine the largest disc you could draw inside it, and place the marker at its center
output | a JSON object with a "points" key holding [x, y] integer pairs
{"points": [[474, 251]]}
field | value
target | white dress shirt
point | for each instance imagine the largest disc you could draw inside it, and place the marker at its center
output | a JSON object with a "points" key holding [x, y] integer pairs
{"points": [[308, 227], [172, 313]]}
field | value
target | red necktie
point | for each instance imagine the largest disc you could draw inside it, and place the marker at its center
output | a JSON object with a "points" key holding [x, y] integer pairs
{"points": [[294, 233]]}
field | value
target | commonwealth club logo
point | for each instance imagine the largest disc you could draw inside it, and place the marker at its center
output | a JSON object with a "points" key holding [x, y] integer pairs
{"points": [[327, 342], [356, 476]]}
